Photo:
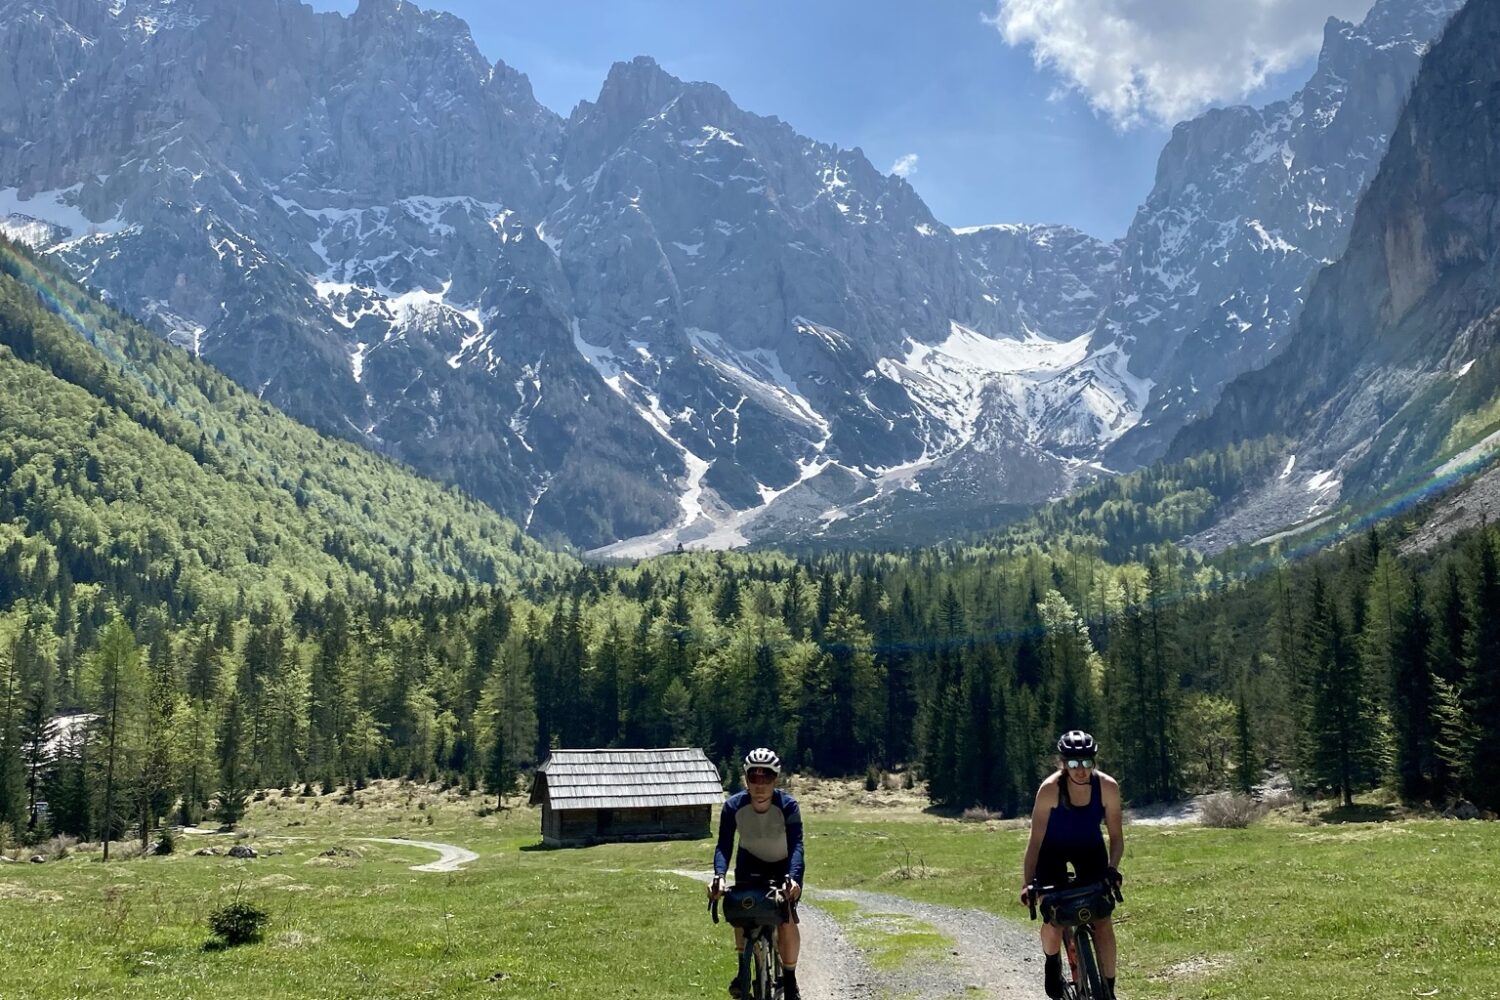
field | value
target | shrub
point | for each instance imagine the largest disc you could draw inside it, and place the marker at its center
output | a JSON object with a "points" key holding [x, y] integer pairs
{"points": [[167, 843], [908, 781], [238, 923], [57, 848], [1281, 798], [1231, 811], [872, 778], [979, 814]]}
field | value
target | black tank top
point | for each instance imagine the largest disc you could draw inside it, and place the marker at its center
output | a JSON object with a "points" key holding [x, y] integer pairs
{"points": [[1073, 828]]}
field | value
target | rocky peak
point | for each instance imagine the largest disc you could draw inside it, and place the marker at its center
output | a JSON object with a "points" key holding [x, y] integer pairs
{"points": [[1406, 22], [402, 22], [1248, 204], [1399, 342]]}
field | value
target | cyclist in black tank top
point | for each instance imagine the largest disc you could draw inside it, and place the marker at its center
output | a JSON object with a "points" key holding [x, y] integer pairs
{"points": [[1070, 808]]}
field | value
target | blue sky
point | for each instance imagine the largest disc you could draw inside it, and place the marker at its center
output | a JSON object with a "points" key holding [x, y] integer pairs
{"points": [[996, 139]]}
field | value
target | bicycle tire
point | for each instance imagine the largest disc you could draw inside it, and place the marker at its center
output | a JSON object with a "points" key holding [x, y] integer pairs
{"points": [[1071, 985], [1093, 981], [763, 986]]}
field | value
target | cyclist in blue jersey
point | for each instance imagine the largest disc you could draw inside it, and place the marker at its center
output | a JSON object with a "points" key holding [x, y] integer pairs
{"points": [[769, 826], [1065, 829]]}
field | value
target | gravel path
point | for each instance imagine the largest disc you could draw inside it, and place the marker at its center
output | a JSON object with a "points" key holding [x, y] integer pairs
{"points": [[991, 957], [451, 859], [830, 967]]}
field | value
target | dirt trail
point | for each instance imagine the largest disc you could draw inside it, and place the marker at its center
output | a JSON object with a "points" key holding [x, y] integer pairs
{"points": [[990, 956], [451, 858]]}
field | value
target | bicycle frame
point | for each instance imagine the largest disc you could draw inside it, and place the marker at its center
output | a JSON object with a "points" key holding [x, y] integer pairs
{"points": [[760, 960], [1073, 938], [1087, 978], [760, 964]]}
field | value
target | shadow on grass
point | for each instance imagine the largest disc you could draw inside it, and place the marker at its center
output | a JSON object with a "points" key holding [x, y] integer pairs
{"points": [[1360, 812]]}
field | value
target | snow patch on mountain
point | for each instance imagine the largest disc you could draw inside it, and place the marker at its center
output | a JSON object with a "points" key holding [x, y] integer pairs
{"points": [[19, 217], [760, 374]]}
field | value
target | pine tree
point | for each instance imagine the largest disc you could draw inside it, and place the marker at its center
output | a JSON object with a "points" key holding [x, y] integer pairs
{"points": [[1412, 698], [1070, 667], [1450, 680], [794, 604], [1484, 675], [1162, 656], [896, 660], [234, 780], [510, 708], [1246, 770], [118, 687], [763, 702], [1340, 752]]}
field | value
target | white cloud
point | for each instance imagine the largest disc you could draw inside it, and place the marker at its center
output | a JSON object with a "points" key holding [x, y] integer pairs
{"points": [[1164, 60], [905, 166]]}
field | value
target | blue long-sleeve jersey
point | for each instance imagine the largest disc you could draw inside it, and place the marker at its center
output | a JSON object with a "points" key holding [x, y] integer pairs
{"points": [[770, 842]]}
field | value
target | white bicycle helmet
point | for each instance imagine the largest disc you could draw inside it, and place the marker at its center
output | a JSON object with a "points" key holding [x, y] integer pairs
{"points": [[1077, 743], [763, 757]]}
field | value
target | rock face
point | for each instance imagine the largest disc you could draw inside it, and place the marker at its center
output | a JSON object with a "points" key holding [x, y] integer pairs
{"points": [[662, 319], [1248, 204], [1392, 373]]}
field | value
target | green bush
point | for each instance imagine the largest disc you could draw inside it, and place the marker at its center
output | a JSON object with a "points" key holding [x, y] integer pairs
{"points": [[872, 778], [238, 923]]}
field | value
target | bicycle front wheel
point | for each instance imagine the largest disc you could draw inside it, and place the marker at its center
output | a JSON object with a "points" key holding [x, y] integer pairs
{"points": [[764, 986], [1092, 986]]}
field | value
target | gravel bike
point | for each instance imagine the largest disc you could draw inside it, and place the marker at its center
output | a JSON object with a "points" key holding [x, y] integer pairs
{"points": [[758, 912], [1074, 908]]}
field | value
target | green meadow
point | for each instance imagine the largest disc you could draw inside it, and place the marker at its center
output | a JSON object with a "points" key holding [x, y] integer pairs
{"points": [[1297, 906]]}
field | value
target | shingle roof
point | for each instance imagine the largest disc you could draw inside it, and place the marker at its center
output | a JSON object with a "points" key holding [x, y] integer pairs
{"points": [[627, 779]]}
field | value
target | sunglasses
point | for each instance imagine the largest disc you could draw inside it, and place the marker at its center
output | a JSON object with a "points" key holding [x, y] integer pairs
{"points": [[1087, 765], [760, 777]]}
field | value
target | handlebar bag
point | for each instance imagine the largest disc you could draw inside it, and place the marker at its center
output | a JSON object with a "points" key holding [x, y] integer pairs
{"points": [[752, 908], [1072, 907]]}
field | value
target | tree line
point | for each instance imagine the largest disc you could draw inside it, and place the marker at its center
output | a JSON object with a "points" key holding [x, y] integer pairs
{"points": [[1355, 668]]}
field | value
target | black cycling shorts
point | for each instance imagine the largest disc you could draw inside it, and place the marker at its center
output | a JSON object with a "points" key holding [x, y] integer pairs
{"points": [[751, 872], [1091, 864]]}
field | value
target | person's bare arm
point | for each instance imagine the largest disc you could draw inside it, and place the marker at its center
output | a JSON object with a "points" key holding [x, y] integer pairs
{"points": [[1113, 821], [1040, 814]]}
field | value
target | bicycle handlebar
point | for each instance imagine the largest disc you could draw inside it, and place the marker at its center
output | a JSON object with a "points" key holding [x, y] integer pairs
{"points": [[777, 893], [1109, 887]]}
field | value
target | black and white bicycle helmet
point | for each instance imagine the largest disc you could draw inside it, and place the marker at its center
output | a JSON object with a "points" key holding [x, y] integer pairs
{"points": [[1077, 743], [763, 757]]}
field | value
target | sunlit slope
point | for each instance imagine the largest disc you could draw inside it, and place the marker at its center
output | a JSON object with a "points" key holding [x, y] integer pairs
{"points": [[126, 462]]}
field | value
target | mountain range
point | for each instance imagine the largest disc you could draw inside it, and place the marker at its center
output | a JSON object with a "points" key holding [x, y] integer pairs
{"points": [[662, 319], [1391, 381]]}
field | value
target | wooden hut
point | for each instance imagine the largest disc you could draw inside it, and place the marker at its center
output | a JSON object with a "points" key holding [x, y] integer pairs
{"points": [[594, 796]]}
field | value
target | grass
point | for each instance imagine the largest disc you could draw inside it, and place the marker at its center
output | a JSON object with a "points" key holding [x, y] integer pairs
{"points": [[1284, 909], [1322, 906], [889, 940], [515, 924]]}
